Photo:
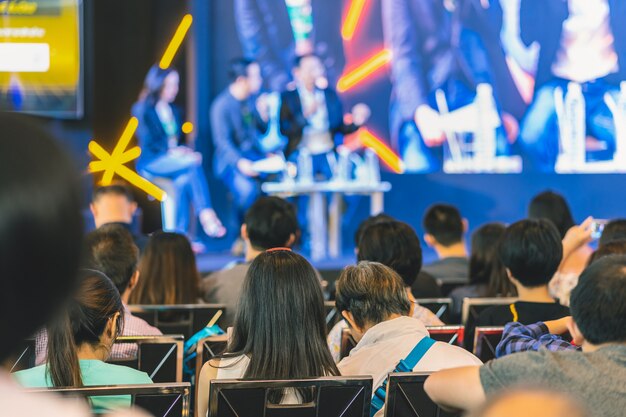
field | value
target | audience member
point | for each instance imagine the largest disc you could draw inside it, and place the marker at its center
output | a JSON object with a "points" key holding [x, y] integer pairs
{"points": [[488, 276], [531, 402], [596, 377], [110, 250], [394, 244], [374, 301], [424, 286], [168, 272], [553, 207], [517, 337], [279, 327], [614, 230], [40, 235], [444, 232], [269, 223], [531, 251], [81, 340], [115, 204]]}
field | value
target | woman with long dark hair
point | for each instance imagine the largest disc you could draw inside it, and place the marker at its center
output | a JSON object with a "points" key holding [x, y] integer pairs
{"points": [[279, 330], [553, 207], [168, 272], [486, 273], [80, 340], [163, 152]]}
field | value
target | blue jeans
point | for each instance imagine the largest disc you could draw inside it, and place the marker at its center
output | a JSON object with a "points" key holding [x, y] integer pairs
{"points": [[244, 189], [189, 180], [420, 158], [539, 132]]}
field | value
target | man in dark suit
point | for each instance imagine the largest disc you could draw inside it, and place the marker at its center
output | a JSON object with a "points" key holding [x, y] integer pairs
{"points": [[447, 45], [311, 115], [274, 32], [582, 41]]}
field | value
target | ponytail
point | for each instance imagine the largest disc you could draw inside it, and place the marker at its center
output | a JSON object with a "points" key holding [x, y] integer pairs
{"points": [[63, 365]]}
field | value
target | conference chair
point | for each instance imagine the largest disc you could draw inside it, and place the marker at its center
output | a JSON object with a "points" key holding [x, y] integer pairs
{"points": [[329, 397], [185, 319], [441, 307], [332, 315], [161, 357], [452, 335], [406, 397], [207, 348], [160, 400], [448, 285], [472, 307], [24, 357], [485, 341]]}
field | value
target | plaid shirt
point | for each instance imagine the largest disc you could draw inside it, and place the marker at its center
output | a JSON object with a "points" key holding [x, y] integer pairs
{"points": [[517, 337], [133, 326]]}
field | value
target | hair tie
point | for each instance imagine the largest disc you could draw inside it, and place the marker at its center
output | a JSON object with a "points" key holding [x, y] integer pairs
{"points": [[277, 249]]}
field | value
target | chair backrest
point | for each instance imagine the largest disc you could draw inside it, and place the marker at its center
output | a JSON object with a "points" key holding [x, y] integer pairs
{"points": [[452, 335], [441, 307], [161, 357], [160, 400], [347, 343], [332, 315], [406, 397], [448, 285], [328, 397], [472, 307], [485, 341], [24, 357], [185, 319], [209, 347]]}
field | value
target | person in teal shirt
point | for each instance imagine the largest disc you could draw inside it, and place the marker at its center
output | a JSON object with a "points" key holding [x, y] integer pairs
{"points": [[81, 340]]}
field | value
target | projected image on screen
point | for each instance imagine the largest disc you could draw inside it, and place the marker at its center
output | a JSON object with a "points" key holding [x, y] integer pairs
{"points": [[475, 86], [40, 57]]}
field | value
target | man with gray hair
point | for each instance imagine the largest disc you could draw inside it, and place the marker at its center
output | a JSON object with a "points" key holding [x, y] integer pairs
{"points": [[373, 300]]}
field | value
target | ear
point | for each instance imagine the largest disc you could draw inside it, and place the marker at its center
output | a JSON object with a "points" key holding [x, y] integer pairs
{"points": [[243, 232], [465, 225], [111, 328], [133, 281], [133, 207], [290, 241], [430, 240], [511, 277], [577, 337], [350, 319], [409, 294], [93, 209]]}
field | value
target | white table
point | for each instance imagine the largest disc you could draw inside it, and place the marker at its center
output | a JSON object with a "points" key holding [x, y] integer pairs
{"points": [[325, 227]]}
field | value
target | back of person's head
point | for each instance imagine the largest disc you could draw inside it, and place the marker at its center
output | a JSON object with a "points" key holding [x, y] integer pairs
{"points": [[613, 247], [270, 222], [154, 83], [280, 322], [532, 251], [168, 271], [371, 292], [237, 68], [598, 302], [94, 316], [112, 251], [394, 244], [485, 266], [379, 218], [113, 204], [614, 230], [40, 229], [552, 206], [444, 224]]}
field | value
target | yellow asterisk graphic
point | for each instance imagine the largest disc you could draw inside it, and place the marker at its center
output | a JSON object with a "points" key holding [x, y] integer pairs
{"points": [[113, 163]]}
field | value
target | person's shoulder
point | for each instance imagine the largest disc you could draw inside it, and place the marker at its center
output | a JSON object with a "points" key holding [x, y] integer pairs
{"points": [[455, 356], [122, 373], [136, 326], [32, 377]]}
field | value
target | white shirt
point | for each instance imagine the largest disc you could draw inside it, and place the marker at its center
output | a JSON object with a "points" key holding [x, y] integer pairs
{"points": [[385, 344], [316, 136], [587, 51]]}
